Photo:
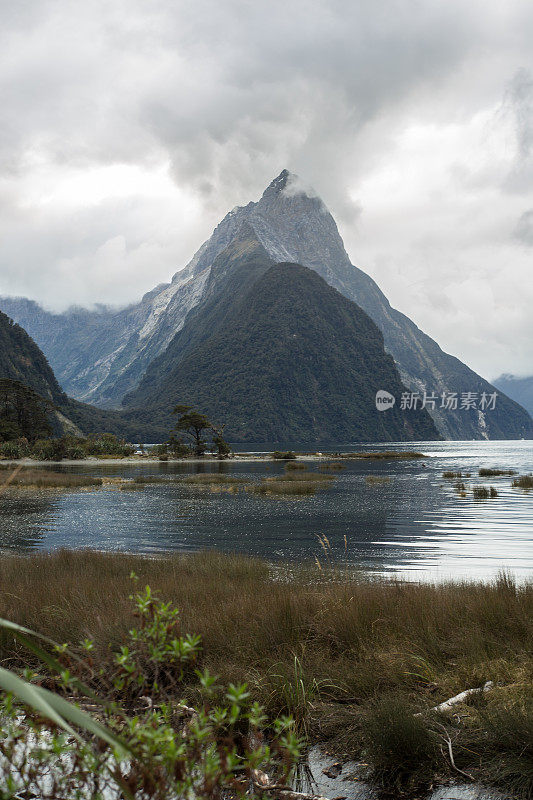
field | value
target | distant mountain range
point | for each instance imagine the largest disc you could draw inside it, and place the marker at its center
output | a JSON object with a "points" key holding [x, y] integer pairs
{"points": [[102, 356], [519, 389]]}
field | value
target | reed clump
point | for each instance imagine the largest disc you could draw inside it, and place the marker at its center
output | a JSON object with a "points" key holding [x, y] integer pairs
{"points": [[486, 472], [282, 487], [45, 479], [523, 482], [377, 480], [303, 475], [292, 482], [481, 492], [452, 474], [211, 478], [357, 641]]}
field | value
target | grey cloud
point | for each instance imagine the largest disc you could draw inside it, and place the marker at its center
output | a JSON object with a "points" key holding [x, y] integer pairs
{"points": [[227, 93], [524, 228]]}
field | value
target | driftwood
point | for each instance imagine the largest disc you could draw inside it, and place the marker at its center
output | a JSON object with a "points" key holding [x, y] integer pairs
{"points": [[458, 698], [450, 753]]}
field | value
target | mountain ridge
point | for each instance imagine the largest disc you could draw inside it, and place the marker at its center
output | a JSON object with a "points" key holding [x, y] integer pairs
{"points": [[293, 226], [275, 353], [518, 389], [21, 360]]}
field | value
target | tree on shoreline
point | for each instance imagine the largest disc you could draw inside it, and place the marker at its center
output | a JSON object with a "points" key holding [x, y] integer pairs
{"points": [[197, 427]]}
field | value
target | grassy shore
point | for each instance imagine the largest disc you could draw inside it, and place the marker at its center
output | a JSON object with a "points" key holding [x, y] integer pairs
{"points": [[353, 659]]}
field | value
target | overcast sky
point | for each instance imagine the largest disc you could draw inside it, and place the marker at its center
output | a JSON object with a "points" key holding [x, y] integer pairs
{"points": [[130, 127]]}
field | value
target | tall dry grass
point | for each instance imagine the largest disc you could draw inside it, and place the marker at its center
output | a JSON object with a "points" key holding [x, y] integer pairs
{"points": [[327, 647]]}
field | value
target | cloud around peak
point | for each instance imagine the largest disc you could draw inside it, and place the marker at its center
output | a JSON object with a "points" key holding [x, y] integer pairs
{"points": [[129, 130]]}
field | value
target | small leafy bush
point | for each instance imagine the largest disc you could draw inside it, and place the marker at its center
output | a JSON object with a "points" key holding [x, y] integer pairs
{"points": [[288, 455], [141, 741], [49, 449], [16, 449], [107, 444]]}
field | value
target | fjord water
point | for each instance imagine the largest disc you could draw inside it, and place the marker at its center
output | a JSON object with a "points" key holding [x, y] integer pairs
{"points": [[415, 524]]}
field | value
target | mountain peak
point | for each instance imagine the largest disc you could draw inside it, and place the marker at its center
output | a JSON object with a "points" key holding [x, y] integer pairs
{"points": [[279, 183]]}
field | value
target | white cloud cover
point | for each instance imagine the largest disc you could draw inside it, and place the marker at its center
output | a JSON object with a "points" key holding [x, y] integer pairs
{"points": [[129, 128]]}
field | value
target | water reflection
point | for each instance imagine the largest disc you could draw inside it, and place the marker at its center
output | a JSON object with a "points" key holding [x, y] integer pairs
{"points": [[415, 524]]}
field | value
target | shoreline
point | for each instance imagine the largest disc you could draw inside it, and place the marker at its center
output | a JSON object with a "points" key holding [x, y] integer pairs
{"points": [[210, 459]]}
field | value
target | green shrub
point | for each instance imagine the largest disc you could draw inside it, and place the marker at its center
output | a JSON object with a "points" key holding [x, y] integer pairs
{"points": [[283, 456], [49, 449], [15, 449], [107, 444], [142, 742]]}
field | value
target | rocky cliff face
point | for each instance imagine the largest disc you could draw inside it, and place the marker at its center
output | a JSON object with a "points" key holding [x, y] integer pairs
{"points": [[100, 356], [275, 353]]}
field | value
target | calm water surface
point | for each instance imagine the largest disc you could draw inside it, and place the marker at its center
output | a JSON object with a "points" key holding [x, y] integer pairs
{"points": [[415, 524]]}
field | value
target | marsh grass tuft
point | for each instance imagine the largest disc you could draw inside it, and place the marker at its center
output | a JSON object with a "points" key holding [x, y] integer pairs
{"points": [[45, 479], [304, 475], [376, 480], [452, 475], [506, 729], [283, 487], [523, 482], [484, 492], [486, 472], [402, 750], [207, 478]]}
